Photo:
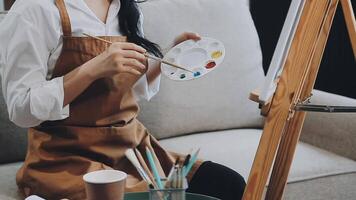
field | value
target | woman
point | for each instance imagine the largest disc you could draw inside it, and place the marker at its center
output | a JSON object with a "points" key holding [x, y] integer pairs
{"points": [[77, 96]]}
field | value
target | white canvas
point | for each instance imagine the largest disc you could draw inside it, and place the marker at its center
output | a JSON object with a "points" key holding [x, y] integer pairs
{"points": [[282, 49], [1, 5]]}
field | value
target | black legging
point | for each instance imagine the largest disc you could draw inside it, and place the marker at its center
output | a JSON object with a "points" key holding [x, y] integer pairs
{"points": [[217, 181]]}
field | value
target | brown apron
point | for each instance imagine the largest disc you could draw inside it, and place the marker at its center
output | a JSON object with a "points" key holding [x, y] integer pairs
{"points": [[101, 126]]}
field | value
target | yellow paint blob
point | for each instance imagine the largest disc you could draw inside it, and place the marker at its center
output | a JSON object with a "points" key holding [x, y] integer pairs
{"points": [[216, 54]]}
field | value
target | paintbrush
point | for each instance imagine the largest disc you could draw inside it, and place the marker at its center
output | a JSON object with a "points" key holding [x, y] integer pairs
{"points": [[130, 154], [146, 54], [186, 161], [166, 62], [144, 166], [133, 159], [171, 173]]}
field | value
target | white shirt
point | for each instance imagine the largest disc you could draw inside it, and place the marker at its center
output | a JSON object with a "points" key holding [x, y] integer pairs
{"points": [[30, 44]]}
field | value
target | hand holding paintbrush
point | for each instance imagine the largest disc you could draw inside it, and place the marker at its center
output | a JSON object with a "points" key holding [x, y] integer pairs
{"points": [[118, 58], [145, 54]]}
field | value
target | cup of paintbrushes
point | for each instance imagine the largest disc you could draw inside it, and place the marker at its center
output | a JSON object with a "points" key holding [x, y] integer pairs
{"points": [[174, 191], [175, 185], [170, 193]]}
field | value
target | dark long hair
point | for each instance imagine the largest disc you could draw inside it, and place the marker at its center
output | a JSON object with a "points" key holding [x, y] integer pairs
{"points": [[129, 18]]}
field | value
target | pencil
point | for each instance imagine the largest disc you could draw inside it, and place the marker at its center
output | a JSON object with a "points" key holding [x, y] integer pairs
{"points": [[160, 170], [191, 163], [154, 168]]}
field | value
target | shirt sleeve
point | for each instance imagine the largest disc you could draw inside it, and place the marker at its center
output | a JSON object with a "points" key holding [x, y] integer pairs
{"points": [[27, 41], [144, 88]]}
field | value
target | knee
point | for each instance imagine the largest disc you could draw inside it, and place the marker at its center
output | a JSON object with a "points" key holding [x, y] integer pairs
{"points": [[239, 184], [230, 183], [233, 181], [226, 174]]}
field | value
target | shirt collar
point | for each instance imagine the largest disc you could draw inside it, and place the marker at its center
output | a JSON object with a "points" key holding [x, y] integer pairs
{"points": [[114, 10], [81, 5]]}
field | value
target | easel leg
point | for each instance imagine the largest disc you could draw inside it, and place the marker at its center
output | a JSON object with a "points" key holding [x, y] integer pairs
{"points": [[294, 72], [291, 136], [350, 22]]}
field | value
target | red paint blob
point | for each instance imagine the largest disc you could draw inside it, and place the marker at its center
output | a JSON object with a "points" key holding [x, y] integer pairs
{"points": [[210, 65]]}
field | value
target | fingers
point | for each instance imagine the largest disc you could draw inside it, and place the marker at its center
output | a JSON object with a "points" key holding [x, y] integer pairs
{"points": [[133, 63], [131, 66], [133, 54], [130, 70], [128, 50], [192, 36], [187, 36], [128, 46]]}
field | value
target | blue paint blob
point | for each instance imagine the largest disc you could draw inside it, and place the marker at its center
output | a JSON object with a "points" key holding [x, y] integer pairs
{"points": [[182, 76], [197, 74], [172, 73]]}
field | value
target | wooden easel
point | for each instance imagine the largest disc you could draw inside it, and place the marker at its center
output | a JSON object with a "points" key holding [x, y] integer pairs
{"points": [[285, 113]]}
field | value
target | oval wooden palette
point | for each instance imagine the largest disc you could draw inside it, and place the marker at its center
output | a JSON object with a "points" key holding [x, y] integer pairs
{"points": [[201, 57]]}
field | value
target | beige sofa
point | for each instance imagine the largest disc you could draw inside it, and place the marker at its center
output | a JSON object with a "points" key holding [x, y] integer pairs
{"points": [[214, 112]]}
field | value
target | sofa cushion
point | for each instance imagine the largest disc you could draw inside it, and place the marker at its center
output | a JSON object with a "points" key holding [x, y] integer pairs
{"points": [[334, 132], [2, 15], [13, 140], [8, 187], [237, 148], [218, 100], [337, 187]]}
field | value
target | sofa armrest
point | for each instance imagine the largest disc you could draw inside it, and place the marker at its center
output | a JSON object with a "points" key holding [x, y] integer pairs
{"points": [[335, 132]]}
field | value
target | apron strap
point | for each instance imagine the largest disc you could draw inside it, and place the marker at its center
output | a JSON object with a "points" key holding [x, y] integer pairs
{"points": [[66, 26]]}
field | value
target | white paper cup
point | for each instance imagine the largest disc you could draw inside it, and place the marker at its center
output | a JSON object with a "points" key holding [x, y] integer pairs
{"points": [[105, 185]]}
